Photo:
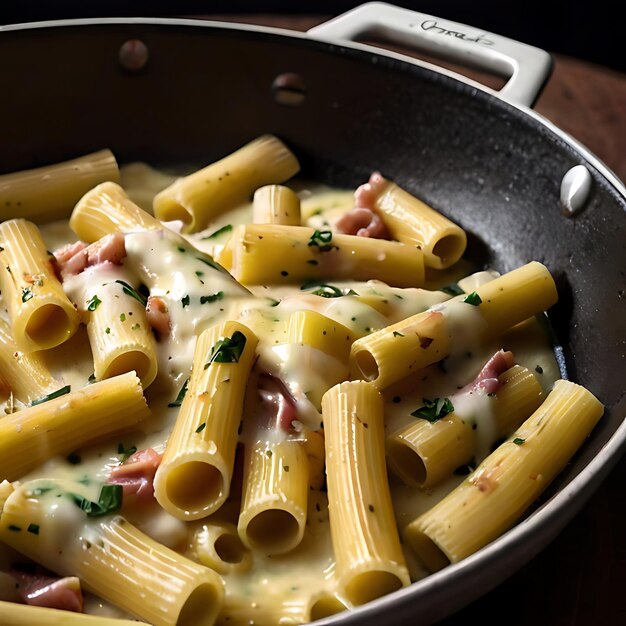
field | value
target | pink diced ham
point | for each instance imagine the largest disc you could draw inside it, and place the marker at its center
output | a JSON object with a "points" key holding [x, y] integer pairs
{"points": [[488, 377], [157, 315], [136, 474], [277, 403], [49, 591], [74, 258], [364, 220]]}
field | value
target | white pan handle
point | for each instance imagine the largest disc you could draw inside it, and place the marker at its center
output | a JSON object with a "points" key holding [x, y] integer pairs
{"points": [[527, 66]]}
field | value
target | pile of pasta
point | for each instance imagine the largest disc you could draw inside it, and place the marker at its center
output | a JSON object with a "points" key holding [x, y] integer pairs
{"points": [[291, 410]]}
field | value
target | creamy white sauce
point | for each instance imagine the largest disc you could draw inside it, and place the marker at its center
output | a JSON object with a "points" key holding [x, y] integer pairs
{"points": [[167, 265]]}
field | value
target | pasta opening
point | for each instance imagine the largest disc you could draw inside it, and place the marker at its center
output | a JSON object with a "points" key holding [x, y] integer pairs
{"points": [[194, 486], [48, 326], [135, 361], [367, 364], [325, 606], [229, 548], [274, 531], [201, 607], [170, 210], [429, 552], [448, 250], [407, 464], [371, 585]]}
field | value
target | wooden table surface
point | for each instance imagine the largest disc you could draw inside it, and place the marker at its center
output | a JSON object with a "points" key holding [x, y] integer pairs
{"points": [[579, 579]]}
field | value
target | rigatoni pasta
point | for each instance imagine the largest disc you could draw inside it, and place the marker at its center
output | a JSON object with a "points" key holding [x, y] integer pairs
{"points": [[211, 449], [40, 313]]}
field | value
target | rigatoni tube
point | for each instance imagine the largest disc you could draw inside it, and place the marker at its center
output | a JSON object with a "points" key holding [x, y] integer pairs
{"points": [[275, 490], [396, 351], [194, 477], [26, 374], [112, 558], [203, 195], [422, 453], [278, 254], [496, 494], [412, 221], [369, 558], [69, 421], [106, 209], [120, 337], [41, 314], [276, 204], [48, 193], [14, 614]]}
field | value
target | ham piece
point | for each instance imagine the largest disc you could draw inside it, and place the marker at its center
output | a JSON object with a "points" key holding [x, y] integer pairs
{"points": [[75, 257], [136, 474], [49, 591], [487, 378], [278, 405]]}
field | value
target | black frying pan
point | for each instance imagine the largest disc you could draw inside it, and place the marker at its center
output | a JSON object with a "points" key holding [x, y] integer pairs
{"points": [[493, 167]]}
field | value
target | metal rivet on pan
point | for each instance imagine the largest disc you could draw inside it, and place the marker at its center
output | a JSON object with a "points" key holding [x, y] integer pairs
{"points": [[575, 188], [288, 89], [133, 55]]}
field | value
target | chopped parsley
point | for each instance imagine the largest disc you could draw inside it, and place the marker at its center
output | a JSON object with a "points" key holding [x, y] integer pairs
{"points": [[94, 303], [185, 301], [109, 501], [51, 396], [207, 260], [27, 294], [218, 232], [201, 427], [125, 452], [322, 240], [434, 410], [180, 396], [107, 330], [473, 298], [452, 289], [228, 350], [122, 317], [132, 292], [33, 528], [212, 298], [14, 528], [397, 334], [539, 369], [518, 441]]}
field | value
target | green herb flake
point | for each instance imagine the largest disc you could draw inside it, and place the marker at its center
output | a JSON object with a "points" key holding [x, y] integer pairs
{"points": [[51, 396], [27, 294], [207, 260], [228, 350], [132, 292], [14, 528], [107, 330], [181, 249], [434, 410], [539, 369], [201, 427], [122, 317], [218, 232], [397, 334], [94, 303], [452, 289], [124, 452], [212, 298], [473, 298], [180, 396], [136, 326], [518, 441], [322, 240], [91, 379], [33, 528], [185, 301], [109, 501]]}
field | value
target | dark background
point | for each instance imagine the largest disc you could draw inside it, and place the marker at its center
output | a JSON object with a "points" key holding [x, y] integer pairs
{"points": [[590, 31]]}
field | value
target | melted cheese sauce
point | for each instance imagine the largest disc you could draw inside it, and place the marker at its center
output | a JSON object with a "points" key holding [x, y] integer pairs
{"points": [[274, 586]]}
